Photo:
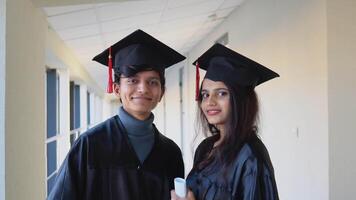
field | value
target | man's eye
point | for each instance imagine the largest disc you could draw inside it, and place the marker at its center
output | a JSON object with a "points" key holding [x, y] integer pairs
{"points": [[131, 80], [153, 82]]}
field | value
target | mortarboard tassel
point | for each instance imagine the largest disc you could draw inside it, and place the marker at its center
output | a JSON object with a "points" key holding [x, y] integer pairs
{"points": [[109, 88], [197, 80]]}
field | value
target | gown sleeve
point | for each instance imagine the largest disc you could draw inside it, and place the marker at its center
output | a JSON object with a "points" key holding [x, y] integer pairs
{"points": [[70, 178], [173, 156], [257, 182], [177, 168]]}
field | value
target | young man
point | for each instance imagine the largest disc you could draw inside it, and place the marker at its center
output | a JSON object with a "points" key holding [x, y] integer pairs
{"points": [[125, 157]]}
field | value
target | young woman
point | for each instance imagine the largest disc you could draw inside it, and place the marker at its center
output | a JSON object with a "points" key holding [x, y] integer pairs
{"points": [[232, 163]]}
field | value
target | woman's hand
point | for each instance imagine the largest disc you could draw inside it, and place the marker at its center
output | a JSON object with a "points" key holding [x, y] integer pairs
{"points": [[190, 196]]}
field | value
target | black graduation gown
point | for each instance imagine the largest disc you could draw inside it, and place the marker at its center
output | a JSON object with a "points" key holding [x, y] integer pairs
{"points": [[250, 177], [102, 165]]}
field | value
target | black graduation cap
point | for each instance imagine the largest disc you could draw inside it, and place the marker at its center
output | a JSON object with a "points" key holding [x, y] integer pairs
{"points": [[232, 68], [138, 51]]}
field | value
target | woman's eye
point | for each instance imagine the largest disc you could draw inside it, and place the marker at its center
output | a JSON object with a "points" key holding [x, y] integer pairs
{"points": [[204, 95], [222, 93]]}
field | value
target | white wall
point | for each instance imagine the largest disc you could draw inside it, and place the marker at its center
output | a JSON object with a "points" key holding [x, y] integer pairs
{"points": [[29, 42], [83, 107], [172, 105], [64, 116], [110, 108], [175, 120], [289, 37], [92, 106], [342, 97], [98, 109], [159, 113], [2, 97], [25, 101], [171, 117]]}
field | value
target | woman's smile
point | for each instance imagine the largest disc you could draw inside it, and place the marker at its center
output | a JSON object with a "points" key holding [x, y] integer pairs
{"points": [[212, 112]]}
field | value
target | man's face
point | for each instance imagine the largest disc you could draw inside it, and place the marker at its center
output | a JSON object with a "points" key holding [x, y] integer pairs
{"points": [[140, 93]]}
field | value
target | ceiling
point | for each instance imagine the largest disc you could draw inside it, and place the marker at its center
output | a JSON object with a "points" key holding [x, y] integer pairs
{"points": [[90, 26]]}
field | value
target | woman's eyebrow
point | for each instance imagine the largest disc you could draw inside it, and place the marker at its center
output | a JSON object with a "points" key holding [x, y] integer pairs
{"points": [[220, 89], [215, 89]]}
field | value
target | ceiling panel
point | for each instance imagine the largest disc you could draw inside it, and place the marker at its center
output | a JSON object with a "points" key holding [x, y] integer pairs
{"points": [[191, 10], [79, 32], [231, 3], [125, 9], [113, 37], [89, 28], [85, 43], [130, 22], [180, 3], [224, 12], [72, 20], [51, 11], [177, 24]]}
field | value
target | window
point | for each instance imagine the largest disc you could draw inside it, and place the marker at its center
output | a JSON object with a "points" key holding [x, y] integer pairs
{"points": [[65, 98], [88, 109], [74, 112], [52, 125], [51, 164]]}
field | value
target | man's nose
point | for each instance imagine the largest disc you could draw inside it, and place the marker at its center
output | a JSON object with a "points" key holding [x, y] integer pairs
{"points": [[142, 87]]}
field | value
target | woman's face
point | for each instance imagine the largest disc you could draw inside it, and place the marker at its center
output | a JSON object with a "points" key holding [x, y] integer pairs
{"points": [[215, 102]]}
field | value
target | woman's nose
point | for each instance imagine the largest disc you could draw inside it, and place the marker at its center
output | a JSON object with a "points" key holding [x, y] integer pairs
{"points": [[211, 100]]}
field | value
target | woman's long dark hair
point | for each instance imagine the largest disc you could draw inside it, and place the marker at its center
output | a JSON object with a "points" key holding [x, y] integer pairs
{"points": [[240, 127]]}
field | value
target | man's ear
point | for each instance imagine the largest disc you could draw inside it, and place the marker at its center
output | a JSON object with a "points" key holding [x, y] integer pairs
{"points": [[116, 89]]}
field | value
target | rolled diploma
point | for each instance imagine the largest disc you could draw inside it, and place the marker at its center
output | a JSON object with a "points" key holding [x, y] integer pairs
{"points": [[180, 187]]}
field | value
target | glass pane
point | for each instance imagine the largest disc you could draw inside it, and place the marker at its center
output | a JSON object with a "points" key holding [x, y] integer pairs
{"points": [[74, 106], [58, 105], [51, 103], [71, 105], [88, 108], [51, 157], [50, 183], [77, 106]]}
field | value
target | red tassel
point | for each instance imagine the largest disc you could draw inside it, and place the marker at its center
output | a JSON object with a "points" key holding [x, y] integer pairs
{"points": [[109, 88], [197, 81]]}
